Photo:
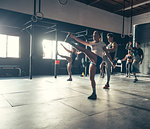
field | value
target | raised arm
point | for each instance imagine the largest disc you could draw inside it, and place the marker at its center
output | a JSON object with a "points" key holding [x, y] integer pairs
{"points": [[79, 40], [124, 58], [66, 48]]}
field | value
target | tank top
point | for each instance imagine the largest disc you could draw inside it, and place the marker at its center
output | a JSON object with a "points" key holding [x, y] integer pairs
{"points": [[112, 54], [129, 57], [97, 48]]}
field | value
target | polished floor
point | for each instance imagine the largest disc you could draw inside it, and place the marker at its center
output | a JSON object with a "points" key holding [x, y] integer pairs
{"points": [[49, 103]]}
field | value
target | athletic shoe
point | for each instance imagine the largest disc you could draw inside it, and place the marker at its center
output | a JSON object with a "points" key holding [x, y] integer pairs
{"points": [[135, 80], [93, 97], [106, 86], [70, 79]]}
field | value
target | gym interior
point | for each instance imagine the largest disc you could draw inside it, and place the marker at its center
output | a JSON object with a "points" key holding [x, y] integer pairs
{"points": [[34, 91]]}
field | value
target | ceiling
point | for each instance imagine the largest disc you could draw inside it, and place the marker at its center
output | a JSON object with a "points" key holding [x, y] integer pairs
{"points": [[117, 6]]}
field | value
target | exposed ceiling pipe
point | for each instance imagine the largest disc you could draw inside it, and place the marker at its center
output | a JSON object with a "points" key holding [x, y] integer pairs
{"points": [[137, 5], [134, 6]]}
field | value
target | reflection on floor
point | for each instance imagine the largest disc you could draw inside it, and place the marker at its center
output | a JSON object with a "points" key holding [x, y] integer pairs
{"points": [[49, 103]]}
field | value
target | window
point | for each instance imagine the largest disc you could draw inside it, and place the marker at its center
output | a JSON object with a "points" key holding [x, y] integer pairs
{"points": [[9, 46], [49, 49]]}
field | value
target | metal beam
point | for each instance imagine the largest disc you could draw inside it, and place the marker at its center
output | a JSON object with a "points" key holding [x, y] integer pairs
{"points": [[94, 2], [134, 6]]}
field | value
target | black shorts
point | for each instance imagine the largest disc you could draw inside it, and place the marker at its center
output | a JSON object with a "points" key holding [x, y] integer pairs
{"points": [[99, 61]]}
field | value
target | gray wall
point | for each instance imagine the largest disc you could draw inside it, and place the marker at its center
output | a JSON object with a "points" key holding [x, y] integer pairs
{"points": [[42, 66], [145, 67], [143, 36], [74, 12]]}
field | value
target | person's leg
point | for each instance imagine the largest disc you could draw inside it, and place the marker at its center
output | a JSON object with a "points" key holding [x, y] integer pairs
{"points": [[134, 70], [69, 71], [134, 74], [127, 68], [102, 69], [92, 57], [108, 72], [68, 66], [66, 57], [92, 71]]}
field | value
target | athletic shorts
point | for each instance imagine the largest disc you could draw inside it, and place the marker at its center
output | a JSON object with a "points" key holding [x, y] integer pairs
{"points": [[135, 67], [99, 61], [135, 64]]}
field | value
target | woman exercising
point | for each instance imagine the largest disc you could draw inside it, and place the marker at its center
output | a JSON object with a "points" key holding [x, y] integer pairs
{"points": [[129, 58], [95, 56], [71, 59]]}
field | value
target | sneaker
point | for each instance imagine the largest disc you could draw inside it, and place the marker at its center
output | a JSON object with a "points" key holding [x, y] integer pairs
{"points": [[106, 86], [102, 75], [135, 80], [93, 97], [70, 79]]}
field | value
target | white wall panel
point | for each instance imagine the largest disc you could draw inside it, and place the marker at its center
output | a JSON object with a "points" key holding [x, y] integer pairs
{"points": [[74, 12], [141, 19]]}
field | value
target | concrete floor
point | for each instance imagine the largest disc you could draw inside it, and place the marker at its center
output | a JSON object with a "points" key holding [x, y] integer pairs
{"points": [[49, 103]]}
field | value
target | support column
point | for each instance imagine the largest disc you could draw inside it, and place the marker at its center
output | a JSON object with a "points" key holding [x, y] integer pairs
{"points": [[55, 66], [32, 38]]}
